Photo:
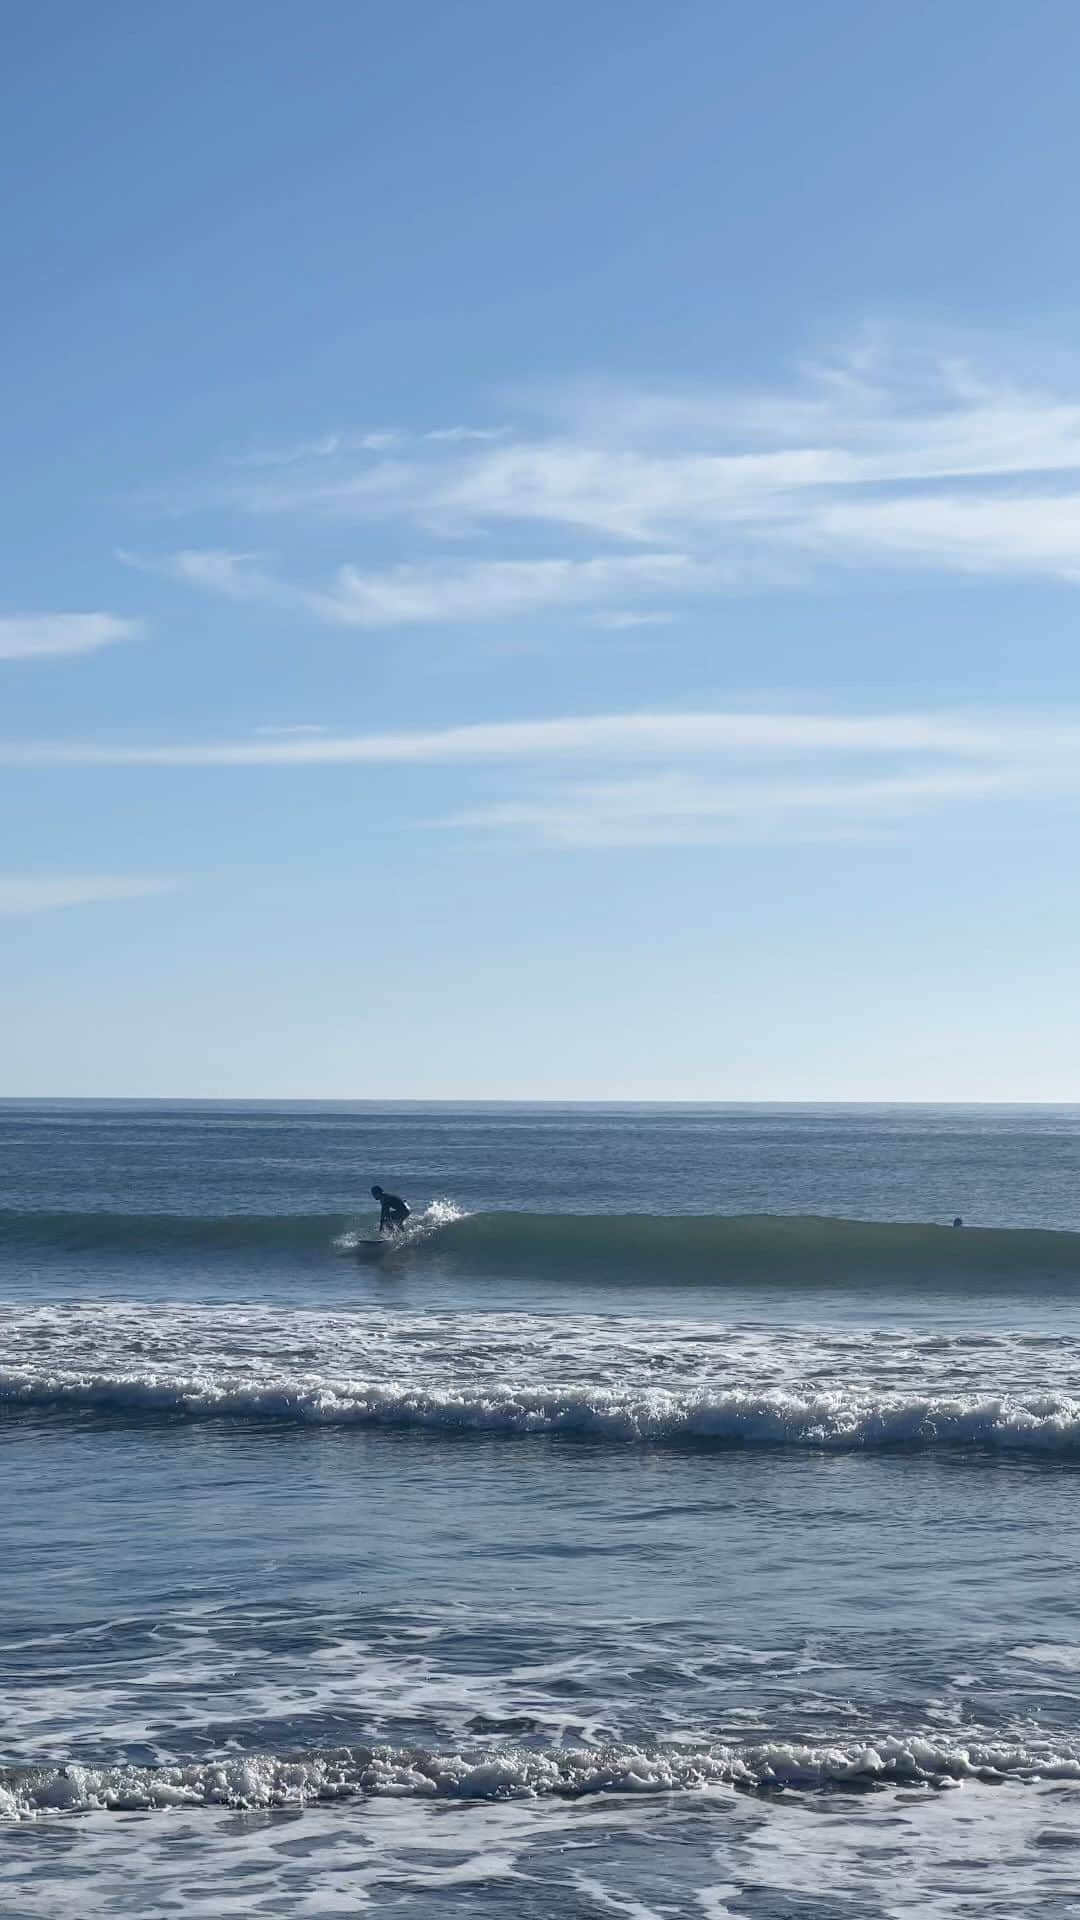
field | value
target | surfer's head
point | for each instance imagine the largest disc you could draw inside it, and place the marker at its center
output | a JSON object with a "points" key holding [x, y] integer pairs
{"points": [[376, 1193]]}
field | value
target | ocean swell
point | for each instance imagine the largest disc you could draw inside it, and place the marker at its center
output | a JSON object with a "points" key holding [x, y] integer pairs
{"points": [[702, 1247]]}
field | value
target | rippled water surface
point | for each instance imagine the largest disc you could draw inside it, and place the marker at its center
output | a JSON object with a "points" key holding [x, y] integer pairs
{"points": [[681, 1520]]}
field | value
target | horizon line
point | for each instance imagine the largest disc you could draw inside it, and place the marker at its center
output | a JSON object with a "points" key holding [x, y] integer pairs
{"points": [[499, 1100]]}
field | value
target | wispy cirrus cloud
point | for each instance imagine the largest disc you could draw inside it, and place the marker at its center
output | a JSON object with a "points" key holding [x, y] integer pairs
{"points": [[486, 589], [1030, 739], [325, 446], [668, 810], [236, 576], [623, 620], [293, 729], [991, 535], [685, 779], [891, 456], [322, 446], [425, 595], [458, 436], [37, 636], [41, 893]]}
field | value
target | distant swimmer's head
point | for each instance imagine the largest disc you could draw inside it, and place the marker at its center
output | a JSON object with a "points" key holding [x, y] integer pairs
{"points": [[958, 1222], [376, 1193]]}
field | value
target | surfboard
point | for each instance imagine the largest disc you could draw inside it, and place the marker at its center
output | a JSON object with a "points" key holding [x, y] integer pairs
{"points": [[371, 1247]]}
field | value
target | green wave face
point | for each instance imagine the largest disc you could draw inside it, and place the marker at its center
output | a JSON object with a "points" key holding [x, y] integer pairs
{"points": [[701, 1247]]}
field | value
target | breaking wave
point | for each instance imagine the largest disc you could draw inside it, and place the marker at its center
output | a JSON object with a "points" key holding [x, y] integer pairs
{"points": [[516, 1773], [165, 1233], [704, 1247], [838, 1418]]}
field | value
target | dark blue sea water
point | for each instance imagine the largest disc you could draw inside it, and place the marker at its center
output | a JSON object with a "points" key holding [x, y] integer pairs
{"points": [[680, 1520]]}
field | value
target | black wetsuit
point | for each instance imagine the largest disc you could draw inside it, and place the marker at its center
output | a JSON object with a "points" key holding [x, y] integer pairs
{"points": [[394, 1213]]}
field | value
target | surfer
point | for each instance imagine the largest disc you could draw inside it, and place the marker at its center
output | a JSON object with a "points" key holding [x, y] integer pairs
{"points": [[393, 1211]]}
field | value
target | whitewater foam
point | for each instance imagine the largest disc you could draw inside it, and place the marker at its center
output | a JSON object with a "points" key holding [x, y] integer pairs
{"points": [[508, 1773], [419, 1228], [614, 1378], [836, 1419]]}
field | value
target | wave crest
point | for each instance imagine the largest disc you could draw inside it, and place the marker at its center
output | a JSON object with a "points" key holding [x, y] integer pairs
{"points": [[514, 1773], [837, 1419]]}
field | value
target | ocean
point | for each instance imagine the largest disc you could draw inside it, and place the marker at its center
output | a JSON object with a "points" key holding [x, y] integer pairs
{"points": [[681, 1520]]}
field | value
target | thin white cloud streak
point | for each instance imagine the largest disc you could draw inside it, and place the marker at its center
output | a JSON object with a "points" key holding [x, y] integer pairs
{"points": [[828, 498], [670, 810], [318, 448], [426, 595], [402, 596], [888, 456], [619, 622], [637, 493], [35, 636], [457, 436], [1007, 534], [1013, 737], [236, 576], [43, 893], [720, 777], [326, 446], [321, 446], [297, 727]]}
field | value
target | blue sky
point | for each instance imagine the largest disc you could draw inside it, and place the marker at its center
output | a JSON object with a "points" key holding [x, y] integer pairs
{"points": [[542, 551]]}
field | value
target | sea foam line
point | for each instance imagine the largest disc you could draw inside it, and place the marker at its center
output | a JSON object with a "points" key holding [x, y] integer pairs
{"points": [[838, 1418], [516, 1773]]}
